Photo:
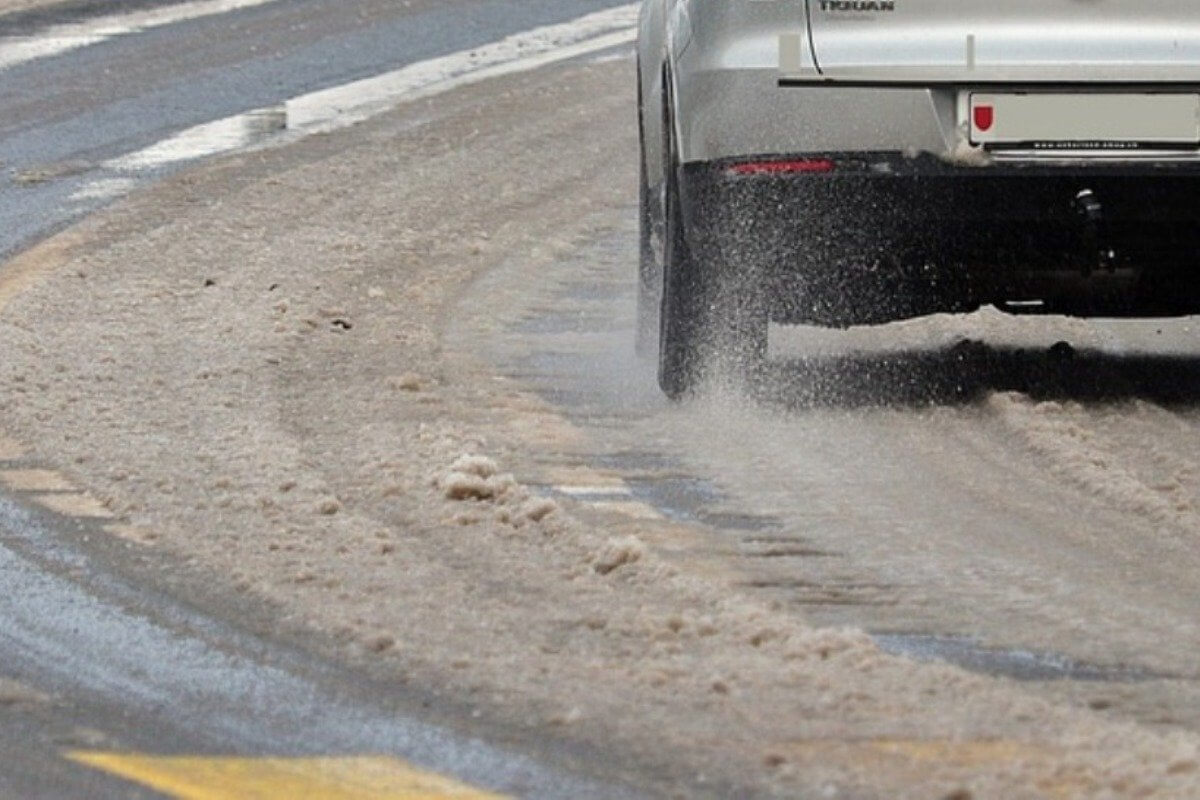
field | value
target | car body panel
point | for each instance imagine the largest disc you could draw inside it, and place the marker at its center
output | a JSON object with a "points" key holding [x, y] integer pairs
{"points": [[744, 112], [749, 82], [1009, 41]]}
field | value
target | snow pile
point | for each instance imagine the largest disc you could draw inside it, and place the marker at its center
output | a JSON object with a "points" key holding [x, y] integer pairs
{"points": [[473, 478], [618, 552], [476, 478]]}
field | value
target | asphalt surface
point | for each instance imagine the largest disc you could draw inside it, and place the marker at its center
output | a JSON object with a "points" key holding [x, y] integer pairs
{"points": [[102, 661], [124, 668], [968, 490], [67, 115], [981, 490]]}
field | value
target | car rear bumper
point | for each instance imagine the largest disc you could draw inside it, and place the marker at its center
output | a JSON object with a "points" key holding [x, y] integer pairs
{"points": [[733, 103], [730, 111], [881, 227]]}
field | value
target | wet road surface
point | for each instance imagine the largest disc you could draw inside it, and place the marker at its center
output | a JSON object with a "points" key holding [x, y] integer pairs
{"points": [[90, 658], [968, 489], [68, 115], [109, 665]]}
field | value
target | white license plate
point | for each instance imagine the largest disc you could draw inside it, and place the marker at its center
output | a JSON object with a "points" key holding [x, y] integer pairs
{"points": [[1085, 121]]}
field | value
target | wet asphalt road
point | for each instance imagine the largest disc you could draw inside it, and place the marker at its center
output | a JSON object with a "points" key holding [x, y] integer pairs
{"points": [[872, 486], [126, 669], [967, 489], [118, 666], [66, 115]]}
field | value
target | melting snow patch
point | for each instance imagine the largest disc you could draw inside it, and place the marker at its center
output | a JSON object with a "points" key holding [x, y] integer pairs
{"points": [[478, 478], [211, 138], [618, 553], [479, 466], [464, 486]]}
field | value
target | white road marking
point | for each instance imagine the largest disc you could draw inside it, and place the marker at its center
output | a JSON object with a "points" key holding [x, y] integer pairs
{"points": [[608, 58], [346, 105], [61, 39], [520, 52], [594, 491], [104, 189], [615, 498], [629, 509]]}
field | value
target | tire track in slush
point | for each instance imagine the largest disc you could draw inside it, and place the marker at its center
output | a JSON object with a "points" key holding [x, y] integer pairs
{"points": [[1118, 454]]}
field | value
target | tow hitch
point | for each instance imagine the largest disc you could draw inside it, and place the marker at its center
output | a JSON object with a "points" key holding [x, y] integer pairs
{"points": [[1095, 232]]}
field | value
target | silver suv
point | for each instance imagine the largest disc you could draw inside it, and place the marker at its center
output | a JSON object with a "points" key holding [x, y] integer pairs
{"points": [[843, 162]]}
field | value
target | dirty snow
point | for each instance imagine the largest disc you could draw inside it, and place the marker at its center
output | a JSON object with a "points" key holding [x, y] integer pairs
{"points": [[1093, 450]]}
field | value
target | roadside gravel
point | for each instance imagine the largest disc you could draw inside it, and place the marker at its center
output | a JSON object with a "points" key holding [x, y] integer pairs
{"points": [[246, 362]]}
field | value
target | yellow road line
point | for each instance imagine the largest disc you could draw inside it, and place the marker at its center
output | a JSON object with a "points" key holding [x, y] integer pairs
{"points": [[358, 778]]}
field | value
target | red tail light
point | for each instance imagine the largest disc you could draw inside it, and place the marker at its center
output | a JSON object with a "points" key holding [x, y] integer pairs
{"points": [[985, 117], [785, 167]]}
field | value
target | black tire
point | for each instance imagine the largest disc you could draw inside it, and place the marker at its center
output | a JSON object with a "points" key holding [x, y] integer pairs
{"points": [[713, 322]]}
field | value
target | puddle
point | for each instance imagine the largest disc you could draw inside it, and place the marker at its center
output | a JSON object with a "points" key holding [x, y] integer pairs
{"points": [[635, 461], [677, 497], [656, 479], [685, 498], [1021, 665], [591, 292], [550, 324]]}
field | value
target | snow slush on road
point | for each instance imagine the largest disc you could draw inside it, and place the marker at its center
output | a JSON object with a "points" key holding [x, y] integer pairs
{"points": [[399, 422]]}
